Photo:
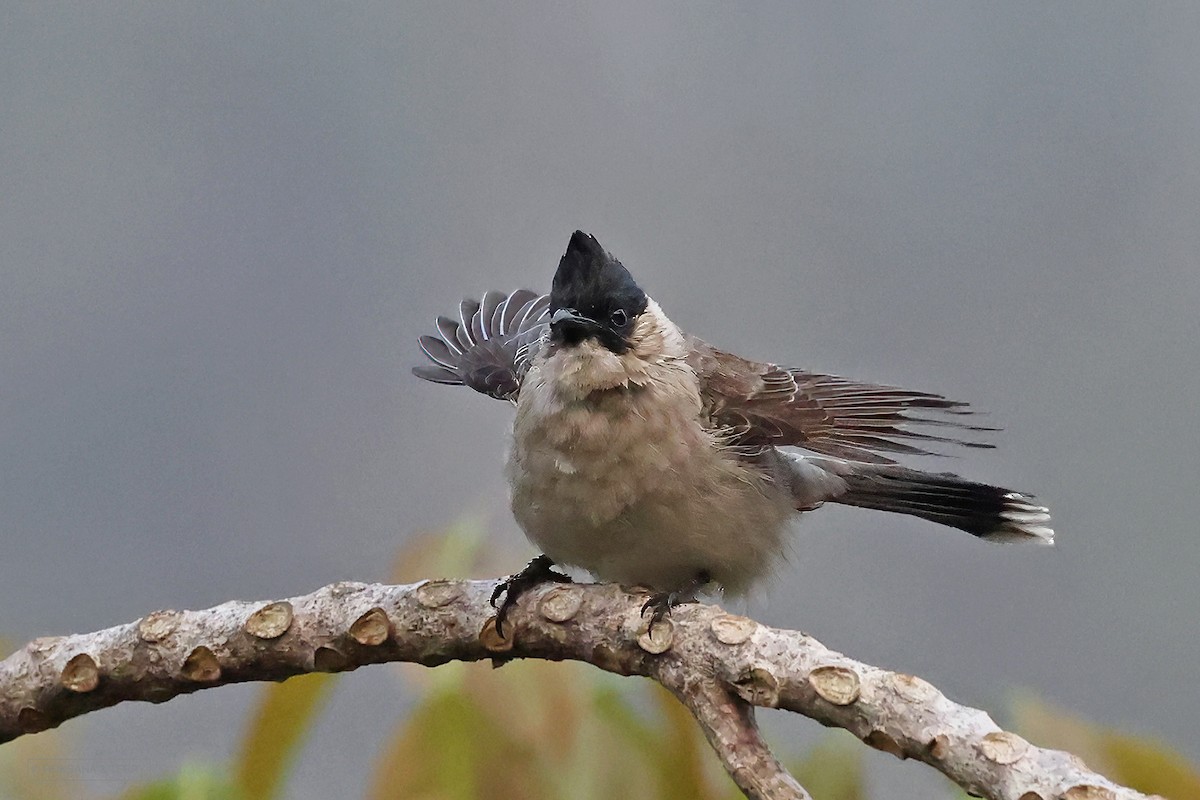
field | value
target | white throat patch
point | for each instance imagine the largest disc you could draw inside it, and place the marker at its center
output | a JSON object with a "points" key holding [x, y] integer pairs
{"points": [[580, 369]]}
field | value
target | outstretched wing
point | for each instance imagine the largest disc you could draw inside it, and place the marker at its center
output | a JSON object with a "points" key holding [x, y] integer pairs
{"points": [[763, 405], [487, 347]]}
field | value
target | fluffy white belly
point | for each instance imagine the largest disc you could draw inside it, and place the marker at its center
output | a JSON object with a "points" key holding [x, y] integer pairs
{"points": [[628, 485]]}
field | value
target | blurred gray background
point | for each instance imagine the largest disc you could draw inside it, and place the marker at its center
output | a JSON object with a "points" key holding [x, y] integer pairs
{"points": [[222, 227]]}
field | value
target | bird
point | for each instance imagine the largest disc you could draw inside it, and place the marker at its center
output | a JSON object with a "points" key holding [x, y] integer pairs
{"points": [[647, 457]]}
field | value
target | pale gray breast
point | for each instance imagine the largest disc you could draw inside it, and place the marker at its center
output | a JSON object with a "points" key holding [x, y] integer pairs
{"points": [[632, 487]]}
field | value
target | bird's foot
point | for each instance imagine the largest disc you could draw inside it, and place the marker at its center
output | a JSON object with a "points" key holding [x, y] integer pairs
{"points": [[659, 604], [535, 572]]}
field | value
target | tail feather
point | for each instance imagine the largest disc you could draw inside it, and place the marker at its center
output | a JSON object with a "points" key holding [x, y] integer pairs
{"points": [[988, 512]]}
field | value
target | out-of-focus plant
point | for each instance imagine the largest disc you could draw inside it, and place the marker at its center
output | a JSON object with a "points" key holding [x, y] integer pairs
{"points": [[277, 730], [192, 782], [1142, 762]]}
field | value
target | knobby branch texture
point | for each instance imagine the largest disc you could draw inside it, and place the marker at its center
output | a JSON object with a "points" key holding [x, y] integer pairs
{"points": [[719, 665]]}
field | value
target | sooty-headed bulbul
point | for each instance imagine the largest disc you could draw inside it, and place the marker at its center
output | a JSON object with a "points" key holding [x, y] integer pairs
{"points": [[646, 456]]}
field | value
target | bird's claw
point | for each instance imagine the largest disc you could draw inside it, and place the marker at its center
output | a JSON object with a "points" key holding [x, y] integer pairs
{"points": [[661, 603], [536, 571]]}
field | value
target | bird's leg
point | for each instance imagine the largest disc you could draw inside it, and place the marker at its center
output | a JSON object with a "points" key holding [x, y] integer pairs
{"points": [[535, 572], [661, 603]]}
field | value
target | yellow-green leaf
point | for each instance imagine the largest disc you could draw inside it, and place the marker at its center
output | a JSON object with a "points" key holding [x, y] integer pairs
{"points": [[683, 758], [449, 749], [192, 782], [450, 553], [276, 732], [37, 768], [1142, 763], [1152, 767], [833, 770]]}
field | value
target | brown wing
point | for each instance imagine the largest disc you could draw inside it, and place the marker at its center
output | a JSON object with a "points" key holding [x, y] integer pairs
{"points": [[764, 405]]}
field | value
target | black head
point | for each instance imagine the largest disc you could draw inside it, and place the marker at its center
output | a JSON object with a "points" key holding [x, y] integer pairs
{"points": [[593, 296]]}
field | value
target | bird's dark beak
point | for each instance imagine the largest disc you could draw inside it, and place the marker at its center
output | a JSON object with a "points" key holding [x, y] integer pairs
{"points": [[567, 326]]}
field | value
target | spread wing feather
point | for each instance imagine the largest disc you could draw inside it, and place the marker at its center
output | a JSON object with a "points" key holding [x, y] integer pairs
{"points": [[764, 405], [488, 346]]}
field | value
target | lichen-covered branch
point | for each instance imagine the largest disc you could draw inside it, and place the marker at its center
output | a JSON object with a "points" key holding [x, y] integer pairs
{"points": [[718, 664]]}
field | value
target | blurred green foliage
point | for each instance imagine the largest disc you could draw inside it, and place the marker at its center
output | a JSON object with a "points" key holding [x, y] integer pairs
{"points": [[192, 782], [534, 730], [276, 732], [1142, 762], [833, 770]]}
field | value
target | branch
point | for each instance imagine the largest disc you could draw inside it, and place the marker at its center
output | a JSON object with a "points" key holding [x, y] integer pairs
{"points": [[717, 664]]}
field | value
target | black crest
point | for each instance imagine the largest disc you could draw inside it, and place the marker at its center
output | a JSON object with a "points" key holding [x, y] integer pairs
{"points": [[593, 283]]}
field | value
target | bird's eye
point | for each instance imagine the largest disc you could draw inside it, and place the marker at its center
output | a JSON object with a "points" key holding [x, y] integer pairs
{"points": [[619, 318]]}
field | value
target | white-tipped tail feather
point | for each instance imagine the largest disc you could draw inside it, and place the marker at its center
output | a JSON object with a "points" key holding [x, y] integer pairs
{"points": [[1023, 521], [989, 512]]}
